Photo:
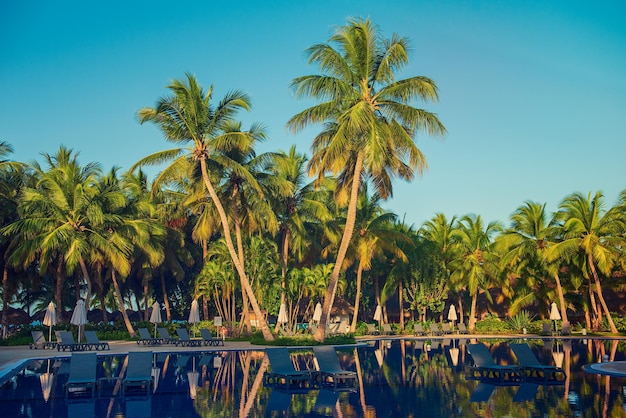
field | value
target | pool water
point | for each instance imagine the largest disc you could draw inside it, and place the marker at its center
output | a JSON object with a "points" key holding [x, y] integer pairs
{"points": [[396, 378]]}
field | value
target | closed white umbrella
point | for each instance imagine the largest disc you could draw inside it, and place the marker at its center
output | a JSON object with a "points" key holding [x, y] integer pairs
{"points": [[317, 314], [452, 315], [50, 319], [194, 314], [554, 314], [155, 316], [282, 314], [79, 316], [378, 314]]}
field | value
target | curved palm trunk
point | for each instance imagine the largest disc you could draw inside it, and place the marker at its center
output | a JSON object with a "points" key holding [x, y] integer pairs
{"points": [[600, 296], [284, 260], [58, 291], [120, 302], [329, 297], [245, 284], [357, 298], [83, 267], [166, 300], [401, 304], [5, 299], [245, 317], [559, 290]]}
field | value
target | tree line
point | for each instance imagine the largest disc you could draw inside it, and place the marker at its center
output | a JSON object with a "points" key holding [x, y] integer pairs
{"points": [[246, 232]]}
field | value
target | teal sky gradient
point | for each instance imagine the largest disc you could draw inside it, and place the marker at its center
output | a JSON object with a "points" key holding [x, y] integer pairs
{"points": [[533, 95]]}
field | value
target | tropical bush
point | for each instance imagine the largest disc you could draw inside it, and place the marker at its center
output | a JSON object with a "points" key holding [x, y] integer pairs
{"points": [[520, 321]]}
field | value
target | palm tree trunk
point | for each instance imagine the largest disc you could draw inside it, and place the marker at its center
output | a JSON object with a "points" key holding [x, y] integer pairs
{"points": [[559, 290], [245, 312], [83, 267], [600, 296], [595, 319], [329, 298], [58, 291], [166, 300], [267, 334], [5, 299], [145, 302], [120, 302], [401, 303], [357, 298], [283, 261], [461, 309], [472, 318]]}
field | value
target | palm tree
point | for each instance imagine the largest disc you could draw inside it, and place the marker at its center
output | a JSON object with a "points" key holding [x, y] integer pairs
{"points": [[475, 262], [12, 178], [62, 218], [597, 235], [440, 234], [297, 206], [526, 243], [376, 235], [369, 121], [189, 117]]}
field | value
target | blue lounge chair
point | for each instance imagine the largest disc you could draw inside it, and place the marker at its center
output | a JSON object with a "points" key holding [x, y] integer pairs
{"points": [[138, 372], [146, 339], [39, 341], [82, 376], [533, 369], [67, 342], [486, 368], [330, 370], [184, 339], [282, 371], [94, 342], [208, 338], [165, 336]]}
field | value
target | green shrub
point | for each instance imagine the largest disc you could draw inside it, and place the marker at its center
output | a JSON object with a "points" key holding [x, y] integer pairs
{"points": [[492, 325], [520, 321]]}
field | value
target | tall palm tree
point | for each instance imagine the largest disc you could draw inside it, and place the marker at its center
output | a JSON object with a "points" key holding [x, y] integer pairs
{"points": [[188, 117], [376, 235], [596, 234], [526, 243], [439, 231], [62, 217], [297, 206], [475, 263], [12, 178], [369, 121]]}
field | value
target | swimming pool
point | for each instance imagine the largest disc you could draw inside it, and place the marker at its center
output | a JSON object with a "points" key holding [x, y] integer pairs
{"points": [[396, 377]]}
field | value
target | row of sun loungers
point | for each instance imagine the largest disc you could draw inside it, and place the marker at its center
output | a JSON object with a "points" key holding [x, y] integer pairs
{"points": [[529, 368], [328, 372], [183, 338], [82, 381]]}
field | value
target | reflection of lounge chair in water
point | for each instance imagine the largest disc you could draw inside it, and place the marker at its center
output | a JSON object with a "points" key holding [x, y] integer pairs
{"points": [[329, 368], [483, 392], [486, 368], [138, 372], [279, 401], [282, 370], [82, 375], [526, 392], [326, 399], [533, 369]]}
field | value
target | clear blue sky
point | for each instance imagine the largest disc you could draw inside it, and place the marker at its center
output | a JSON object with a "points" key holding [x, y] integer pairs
{"points": [[533, 94]]}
